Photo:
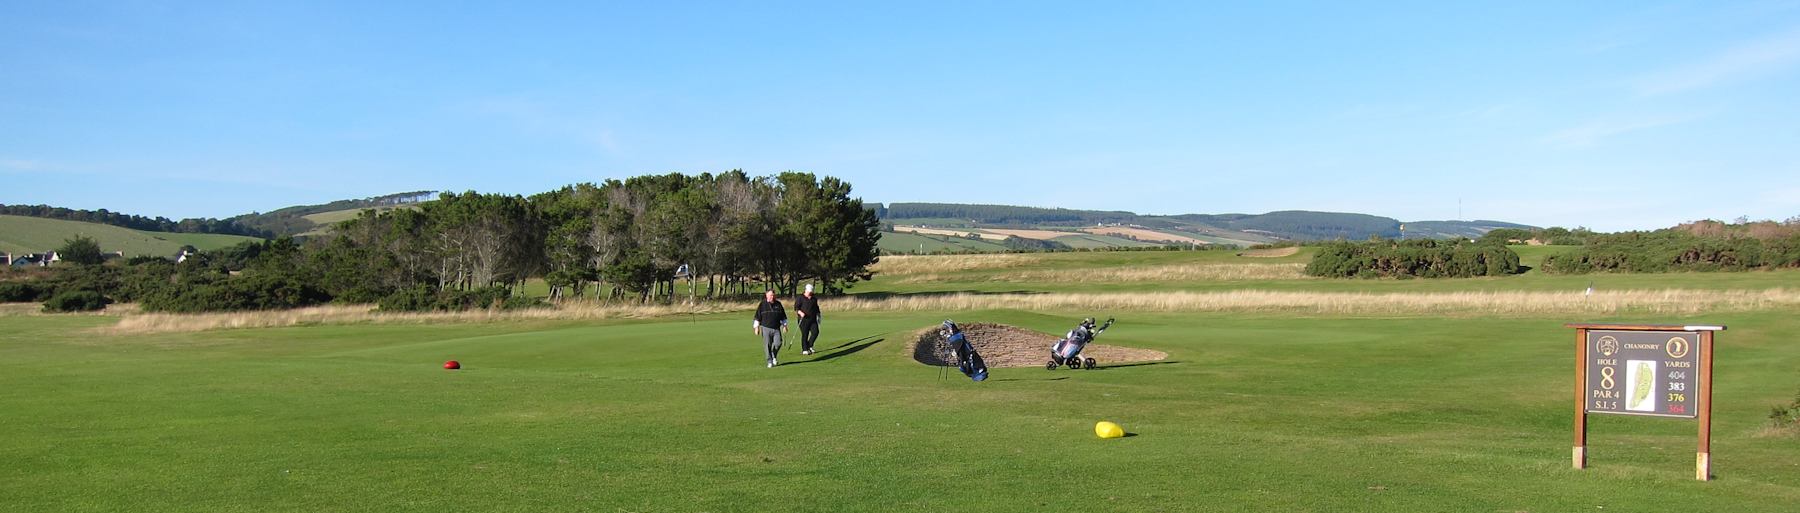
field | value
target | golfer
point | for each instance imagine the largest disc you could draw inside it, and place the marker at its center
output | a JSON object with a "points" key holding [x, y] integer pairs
{"points": [[770, 323], [808, 307]]}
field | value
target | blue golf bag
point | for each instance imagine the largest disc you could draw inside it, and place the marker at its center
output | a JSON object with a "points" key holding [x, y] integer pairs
{"points": [[967, 360]]}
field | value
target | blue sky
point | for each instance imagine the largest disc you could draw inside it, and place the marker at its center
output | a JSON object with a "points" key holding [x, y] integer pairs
{"points": [[1611, 115]]}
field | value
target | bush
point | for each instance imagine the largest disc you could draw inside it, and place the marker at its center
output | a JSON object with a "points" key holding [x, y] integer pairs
{"points": [[257, 292], [76, 301], [416, 299], [423, 299], [1424, 258], [23, 292]]}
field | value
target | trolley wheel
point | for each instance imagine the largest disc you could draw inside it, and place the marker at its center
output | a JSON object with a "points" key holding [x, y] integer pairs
{"points": [[1075, 363], [1050, 365], [1089, 363]]}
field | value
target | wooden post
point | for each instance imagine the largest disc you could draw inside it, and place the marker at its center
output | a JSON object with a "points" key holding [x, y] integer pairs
{"points": [[1581, 361], [1703, 458]]}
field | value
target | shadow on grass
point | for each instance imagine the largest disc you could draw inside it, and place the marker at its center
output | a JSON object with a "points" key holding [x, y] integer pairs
{"points": [[1058, 378], [842, 350], [1139, 364]]}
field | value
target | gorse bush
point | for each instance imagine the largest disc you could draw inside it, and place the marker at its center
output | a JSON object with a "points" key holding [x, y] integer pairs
{"points": [[23, 292], [423, 299], [1672, 250], [76, 301], [1427, 258]]}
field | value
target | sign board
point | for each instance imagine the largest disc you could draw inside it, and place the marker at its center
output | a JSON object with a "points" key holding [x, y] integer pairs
{"points": [[1642, 369], [1653, 373]]}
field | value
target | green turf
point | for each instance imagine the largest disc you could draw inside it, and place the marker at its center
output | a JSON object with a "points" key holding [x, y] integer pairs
{"points": [[1251, 412], [21, 234]]}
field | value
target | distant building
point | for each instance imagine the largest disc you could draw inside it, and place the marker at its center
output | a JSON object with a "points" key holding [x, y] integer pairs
{"points": [[25, 260]]}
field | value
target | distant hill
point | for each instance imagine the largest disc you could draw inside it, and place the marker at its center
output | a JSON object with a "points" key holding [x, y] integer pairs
{"points": [[308, 219], [22, 234], [1457, 229], [1096, 228]]}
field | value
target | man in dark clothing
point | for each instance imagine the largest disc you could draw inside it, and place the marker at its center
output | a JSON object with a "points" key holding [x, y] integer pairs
{"points": [[770, 323], [808, 307]]}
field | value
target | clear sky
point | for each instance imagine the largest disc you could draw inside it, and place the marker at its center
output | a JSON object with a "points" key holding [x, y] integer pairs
{"points": [[1611, 115]]}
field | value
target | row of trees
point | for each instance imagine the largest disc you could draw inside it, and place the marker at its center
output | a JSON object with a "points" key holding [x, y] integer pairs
{"points": [[1555, 235], [1422, 258], [135, 222], [641, 238]]}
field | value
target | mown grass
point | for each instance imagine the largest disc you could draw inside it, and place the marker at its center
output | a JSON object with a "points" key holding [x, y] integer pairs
{"points": [[1396, 408], [1252, 413]]}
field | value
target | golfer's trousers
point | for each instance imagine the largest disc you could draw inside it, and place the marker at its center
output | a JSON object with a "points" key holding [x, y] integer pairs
{"points": [[809, 333], [771, 341]]}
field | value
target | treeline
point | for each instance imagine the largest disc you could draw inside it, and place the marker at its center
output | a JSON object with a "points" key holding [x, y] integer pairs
{"points": [[136, 222], [292, 220], [1678, 250], [1420, 258], [1555, 236], [637, 239], [1001, 214]]}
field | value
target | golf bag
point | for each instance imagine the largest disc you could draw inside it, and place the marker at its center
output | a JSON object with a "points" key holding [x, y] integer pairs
{"points": [[967, 360], [1068, 350]]}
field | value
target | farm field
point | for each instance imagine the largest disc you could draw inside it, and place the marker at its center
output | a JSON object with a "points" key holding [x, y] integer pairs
{"points": [[22, 234], [902, 243], [1275, 411]]}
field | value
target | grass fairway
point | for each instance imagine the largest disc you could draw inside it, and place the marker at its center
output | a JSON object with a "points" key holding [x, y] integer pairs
{"points": [[1250, 413]]}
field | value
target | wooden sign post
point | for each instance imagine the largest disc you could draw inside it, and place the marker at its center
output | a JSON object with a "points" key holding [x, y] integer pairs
{"points": [[1648, 370]]}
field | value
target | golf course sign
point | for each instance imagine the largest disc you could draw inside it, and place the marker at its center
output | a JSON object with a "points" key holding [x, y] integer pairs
{"points": [[1647, 370]]}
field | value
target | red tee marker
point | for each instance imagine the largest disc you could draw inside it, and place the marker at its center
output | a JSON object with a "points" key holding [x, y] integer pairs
{"points": [[452, 365]]}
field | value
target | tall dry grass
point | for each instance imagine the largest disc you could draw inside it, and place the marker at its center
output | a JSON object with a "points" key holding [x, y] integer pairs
{"points": [[1660, 302], [1667, 302], [1182, 272], [367, 314]]}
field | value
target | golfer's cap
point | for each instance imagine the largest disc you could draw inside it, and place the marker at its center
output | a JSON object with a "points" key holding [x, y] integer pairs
{"points": [[809, 287]]}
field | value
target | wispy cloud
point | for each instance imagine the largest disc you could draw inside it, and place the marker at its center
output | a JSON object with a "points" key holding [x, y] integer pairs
{"points": [[19, 165], [1744, 61], [1589, 133]]}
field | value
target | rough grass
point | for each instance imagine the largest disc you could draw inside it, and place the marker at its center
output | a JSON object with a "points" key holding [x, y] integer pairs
{"points": [[145, 323], [1493, 303]]}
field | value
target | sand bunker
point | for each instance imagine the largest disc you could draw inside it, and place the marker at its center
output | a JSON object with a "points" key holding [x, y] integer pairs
{"points": [[1001, 345]]}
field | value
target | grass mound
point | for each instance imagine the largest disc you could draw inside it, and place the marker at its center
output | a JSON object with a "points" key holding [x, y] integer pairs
{"points": [[1003, 345]]}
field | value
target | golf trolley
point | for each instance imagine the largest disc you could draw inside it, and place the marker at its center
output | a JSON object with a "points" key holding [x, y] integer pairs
{"points": [[1068, 350], [967, 360]]}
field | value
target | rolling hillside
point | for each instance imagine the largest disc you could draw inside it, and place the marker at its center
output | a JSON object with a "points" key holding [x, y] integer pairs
{"points": [[1109, 228], [20, 234]]}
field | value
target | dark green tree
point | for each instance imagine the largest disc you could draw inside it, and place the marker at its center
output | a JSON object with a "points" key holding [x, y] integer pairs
{"points": [[81, 250]]}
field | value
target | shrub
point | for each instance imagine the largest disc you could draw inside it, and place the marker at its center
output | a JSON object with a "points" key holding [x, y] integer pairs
{"points": [[423, 299], [1426, 258], [23, 292], [76, 301]]}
